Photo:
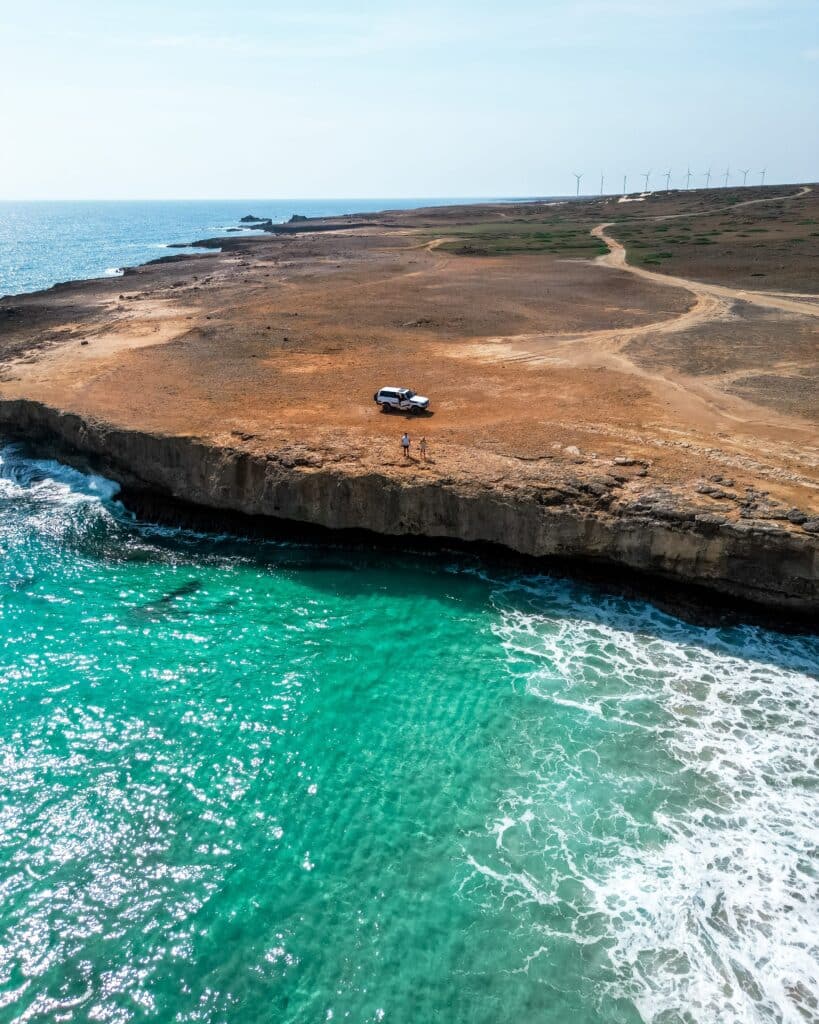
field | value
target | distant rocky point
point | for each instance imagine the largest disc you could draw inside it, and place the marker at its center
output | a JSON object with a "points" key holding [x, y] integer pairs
{"points": [[255, 224]]}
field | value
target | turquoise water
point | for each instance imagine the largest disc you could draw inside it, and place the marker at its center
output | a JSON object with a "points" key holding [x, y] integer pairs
{"points": [[246, 782], [42, 243]]}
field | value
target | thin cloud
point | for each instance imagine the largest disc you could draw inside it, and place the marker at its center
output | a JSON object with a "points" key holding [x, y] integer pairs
{"points": [[342, 37], [659, 9], [239, 46]]}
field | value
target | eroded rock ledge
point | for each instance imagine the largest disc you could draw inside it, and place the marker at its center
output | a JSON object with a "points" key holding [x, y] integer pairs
{"points": [[772, 564]]}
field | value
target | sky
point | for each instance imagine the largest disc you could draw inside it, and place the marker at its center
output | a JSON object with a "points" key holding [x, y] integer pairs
{"points": [[252, 99]]}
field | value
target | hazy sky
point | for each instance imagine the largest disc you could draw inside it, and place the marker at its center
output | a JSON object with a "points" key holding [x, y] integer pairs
{"points": [[242, 98]]}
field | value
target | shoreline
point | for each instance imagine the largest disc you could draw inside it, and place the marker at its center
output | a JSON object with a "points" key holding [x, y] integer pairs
{"points": [[222, 490], [121, 371], [242, 229]]}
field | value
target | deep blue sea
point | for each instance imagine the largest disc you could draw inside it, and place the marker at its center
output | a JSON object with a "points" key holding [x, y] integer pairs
{"points": [[42, 243]]}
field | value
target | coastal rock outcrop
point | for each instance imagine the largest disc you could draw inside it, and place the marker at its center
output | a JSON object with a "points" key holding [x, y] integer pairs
{"points": [[588, 413], [774, 564]]}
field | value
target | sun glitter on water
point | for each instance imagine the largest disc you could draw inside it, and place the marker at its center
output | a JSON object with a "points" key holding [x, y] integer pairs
{"points": [[246, 781]]}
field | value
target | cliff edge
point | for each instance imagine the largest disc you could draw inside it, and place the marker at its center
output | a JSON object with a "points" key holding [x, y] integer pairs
{"points": [[654, 417], [613, 515]]}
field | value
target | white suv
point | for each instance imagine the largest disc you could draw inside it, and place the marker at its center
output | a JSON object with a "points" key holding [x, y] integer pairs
{"points": [[402, 399]]}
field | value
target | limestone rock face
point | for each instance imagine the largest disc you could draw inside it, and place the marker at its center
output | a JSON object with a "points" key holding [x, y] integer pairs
{"points": [[774, 563]]}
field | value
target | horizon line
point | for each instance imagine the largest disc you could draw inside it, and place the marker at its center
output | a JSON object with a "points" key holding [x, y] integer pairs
{"points": [[247, 199]]}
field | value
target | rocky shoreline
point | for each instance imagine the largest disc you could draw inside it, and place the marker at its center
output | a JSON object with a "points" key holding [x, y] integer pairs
{"points": [[764, 566], [572, 427]]}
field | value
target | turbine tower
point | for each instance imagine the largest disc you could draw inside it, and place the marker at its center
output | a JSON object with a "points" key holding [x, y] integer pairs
{"points": [[646, 175], [601, 183], [625, 179], [667, 179], [762, 176], [708, 177], [745, 176], [725, 177], [578, 176], [688, 177]]}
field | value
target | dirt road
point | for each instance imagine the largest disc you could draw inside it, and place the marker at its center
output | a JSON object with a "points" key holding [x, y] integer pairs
{"points": [[616, 258]]}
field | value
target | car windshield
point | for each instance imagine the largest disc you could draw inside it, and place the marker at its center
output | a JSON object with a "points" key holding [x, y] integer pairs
{"points": [[409, 394]]}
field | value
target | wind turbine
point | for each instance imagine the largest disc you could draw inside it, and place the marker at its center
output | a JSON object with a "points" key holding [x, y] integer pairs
{"points": [[762, 176], [708, 177], [688, 177], [725, 177], [646, 175], [745, 176], [625, 179], [601, 183], [578, 176], [667, 179]]}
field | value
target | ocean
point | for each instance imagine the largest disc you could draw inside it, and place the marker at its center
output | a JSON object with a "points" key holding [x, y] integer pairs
{"points": [[247, 781], [244, 781], [43, 243]]}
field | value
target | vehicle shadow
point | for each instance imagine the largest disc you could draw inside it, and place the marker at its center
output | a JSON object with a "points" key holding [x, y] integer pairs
{"points": [[407, 414]]}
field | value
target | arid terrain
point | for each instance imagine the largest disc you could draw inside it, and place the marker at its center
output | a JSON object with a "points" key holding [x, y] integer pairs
{"points": [[622, 363]]}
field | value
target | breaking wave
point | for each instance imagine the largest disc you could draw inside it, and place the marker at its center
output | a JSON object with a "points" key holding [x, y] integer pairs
{"points": [[487, 798], [678, 808]]}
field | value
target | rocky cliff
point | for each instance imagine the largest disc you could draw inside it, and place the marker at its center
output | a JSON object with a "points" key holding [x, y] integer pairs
{"points": [[773, 564]]}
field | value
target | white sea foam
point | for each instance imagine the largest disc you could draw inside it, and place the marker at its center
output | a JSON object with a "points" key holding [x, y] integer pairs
{"points": [[58, 500], [19, 474], [718, 919], [708, 913]]}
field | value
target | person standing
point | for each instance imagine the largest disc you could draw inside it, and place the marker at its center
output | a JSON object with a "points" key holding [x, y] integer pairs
{"points": [[422, 448], [405, 444]]}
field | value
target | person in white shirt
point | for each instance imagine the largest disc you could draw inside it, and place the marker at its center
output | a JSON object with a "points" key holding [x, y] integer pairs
{"points": [[405, 444]]}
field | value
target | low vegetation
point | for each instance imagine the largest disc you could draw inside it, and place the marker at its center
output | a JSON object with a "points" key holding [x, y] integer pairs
{"points": [[731, 246], [712, 235], [566, 239]]}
